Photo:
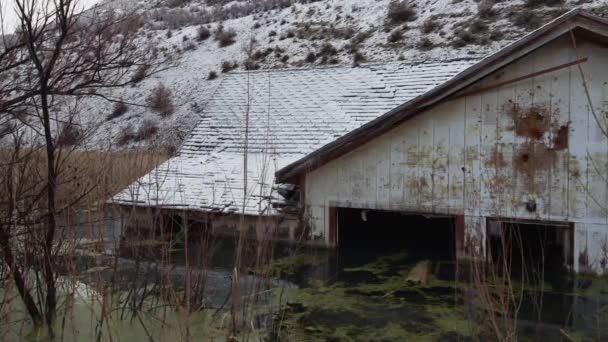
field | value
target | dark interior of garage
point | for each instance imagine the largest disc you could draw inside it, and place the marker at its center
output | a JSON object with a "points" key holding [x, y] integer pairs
{"points": [[431, 237], [530, 249]]}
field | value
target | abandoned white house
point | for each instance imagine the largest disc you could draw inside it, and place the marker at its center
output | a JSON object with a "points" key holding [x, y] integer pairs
{"points": [[451, 151], [520, 137]]}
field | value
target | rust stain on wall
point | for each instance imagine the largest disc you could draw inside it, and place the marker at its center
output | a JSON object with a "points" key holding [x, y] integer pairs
{"points": [[496, 159], [532, 122], [543, 138], [532, 157]]}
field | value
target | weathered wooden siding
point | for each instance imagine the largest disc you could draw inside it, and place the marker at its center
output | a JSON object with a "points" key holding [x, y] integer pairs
{"points": [[485, 154]]}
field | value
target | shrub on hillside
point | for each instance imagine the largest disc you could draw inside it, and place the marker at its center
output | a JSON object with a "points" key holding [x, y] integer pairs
{"points": [[160, 100], [395, 36], [401, 11], [120, 109], [526, 19], [485, 9], [328, 50], [147, 130], [311, 57], [202, 34], [228, 66], [538, 3], [70, 135], [358, 58], [225, 37], [430, 25], [126, 136], [425, 44], [140, 74]]}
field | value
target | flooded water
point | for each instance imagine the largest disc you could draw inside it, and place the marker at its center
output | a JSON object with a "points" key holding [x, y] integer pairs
{"points": [[362, 294]]}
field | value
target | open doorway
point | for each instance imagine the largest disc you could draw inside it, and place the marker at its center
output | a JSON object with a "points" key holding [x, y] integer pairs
{"points": [[531, 249], [430, 237]]}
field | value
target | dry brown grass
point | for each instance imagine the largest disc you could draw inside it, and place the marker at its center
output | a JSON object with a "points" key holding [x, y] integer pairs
{"points": [[107, 173], [86, 178]]}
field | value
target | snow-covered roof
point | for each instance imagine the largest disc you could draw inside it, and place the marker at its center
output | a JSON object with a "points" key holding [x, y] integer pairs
{"points": [[290, 113]]}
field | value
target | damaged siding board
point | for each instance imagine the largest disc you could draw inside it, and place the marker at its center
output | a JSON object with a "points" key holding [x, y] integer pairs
{"points": [[456, 110], [597, 161], [410, 169], [542, 100], [524, 160], [383, 163], [488, 145], [501, 158], [560, 105], [472, 182], [426, 156], [441, 162], [396, 174], [579, 116]]}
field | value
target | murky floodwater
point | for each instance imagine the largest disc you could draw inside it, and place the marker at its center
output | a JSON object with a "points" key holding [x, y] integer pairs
{"points": [[364, 295], [353, 295]]}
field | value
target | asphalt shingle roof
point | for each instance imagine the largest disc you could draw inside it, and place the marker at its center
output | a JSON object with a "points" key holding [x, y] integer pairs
{"points": [[291, 113]]}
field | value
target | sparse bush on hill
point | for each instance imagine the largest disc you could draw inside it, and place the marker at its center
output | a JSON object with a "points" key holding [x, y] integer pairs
{"points": [[160, 100], [477, 32], [251, 65], [176, 3], [485, 9], [358, 58], [70, 135], [355, 42], [202, 34], [140, 74], [225, 37], [478, 27], [120, 109], [228, 66], [327, 52], [126, 136], [311, 57], [430, 25], [539, 3], [395, 36], [188, 46], [526, 19], [212, 75], [401, 11], [425, 44], [146, 130]]}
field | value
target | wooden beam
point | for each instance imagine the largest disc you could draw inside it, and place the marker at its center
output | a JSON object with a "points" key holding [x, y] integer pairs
{"points": [[522, 78]]}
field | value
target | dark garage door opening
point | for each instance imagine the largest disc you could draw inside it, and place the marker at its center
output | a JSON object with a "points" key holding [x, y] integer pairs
{"points": [[431, 237], [531, 249]]}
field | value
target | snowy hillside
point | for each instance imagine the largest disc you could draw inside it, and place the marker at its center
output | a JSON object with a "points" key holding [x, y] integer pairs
{"points": [[207, 38]]}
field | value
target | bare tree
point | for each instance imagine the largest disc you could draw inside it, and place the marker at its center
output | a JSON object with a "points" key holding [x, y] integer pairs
{"points": [[56, 59]]}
